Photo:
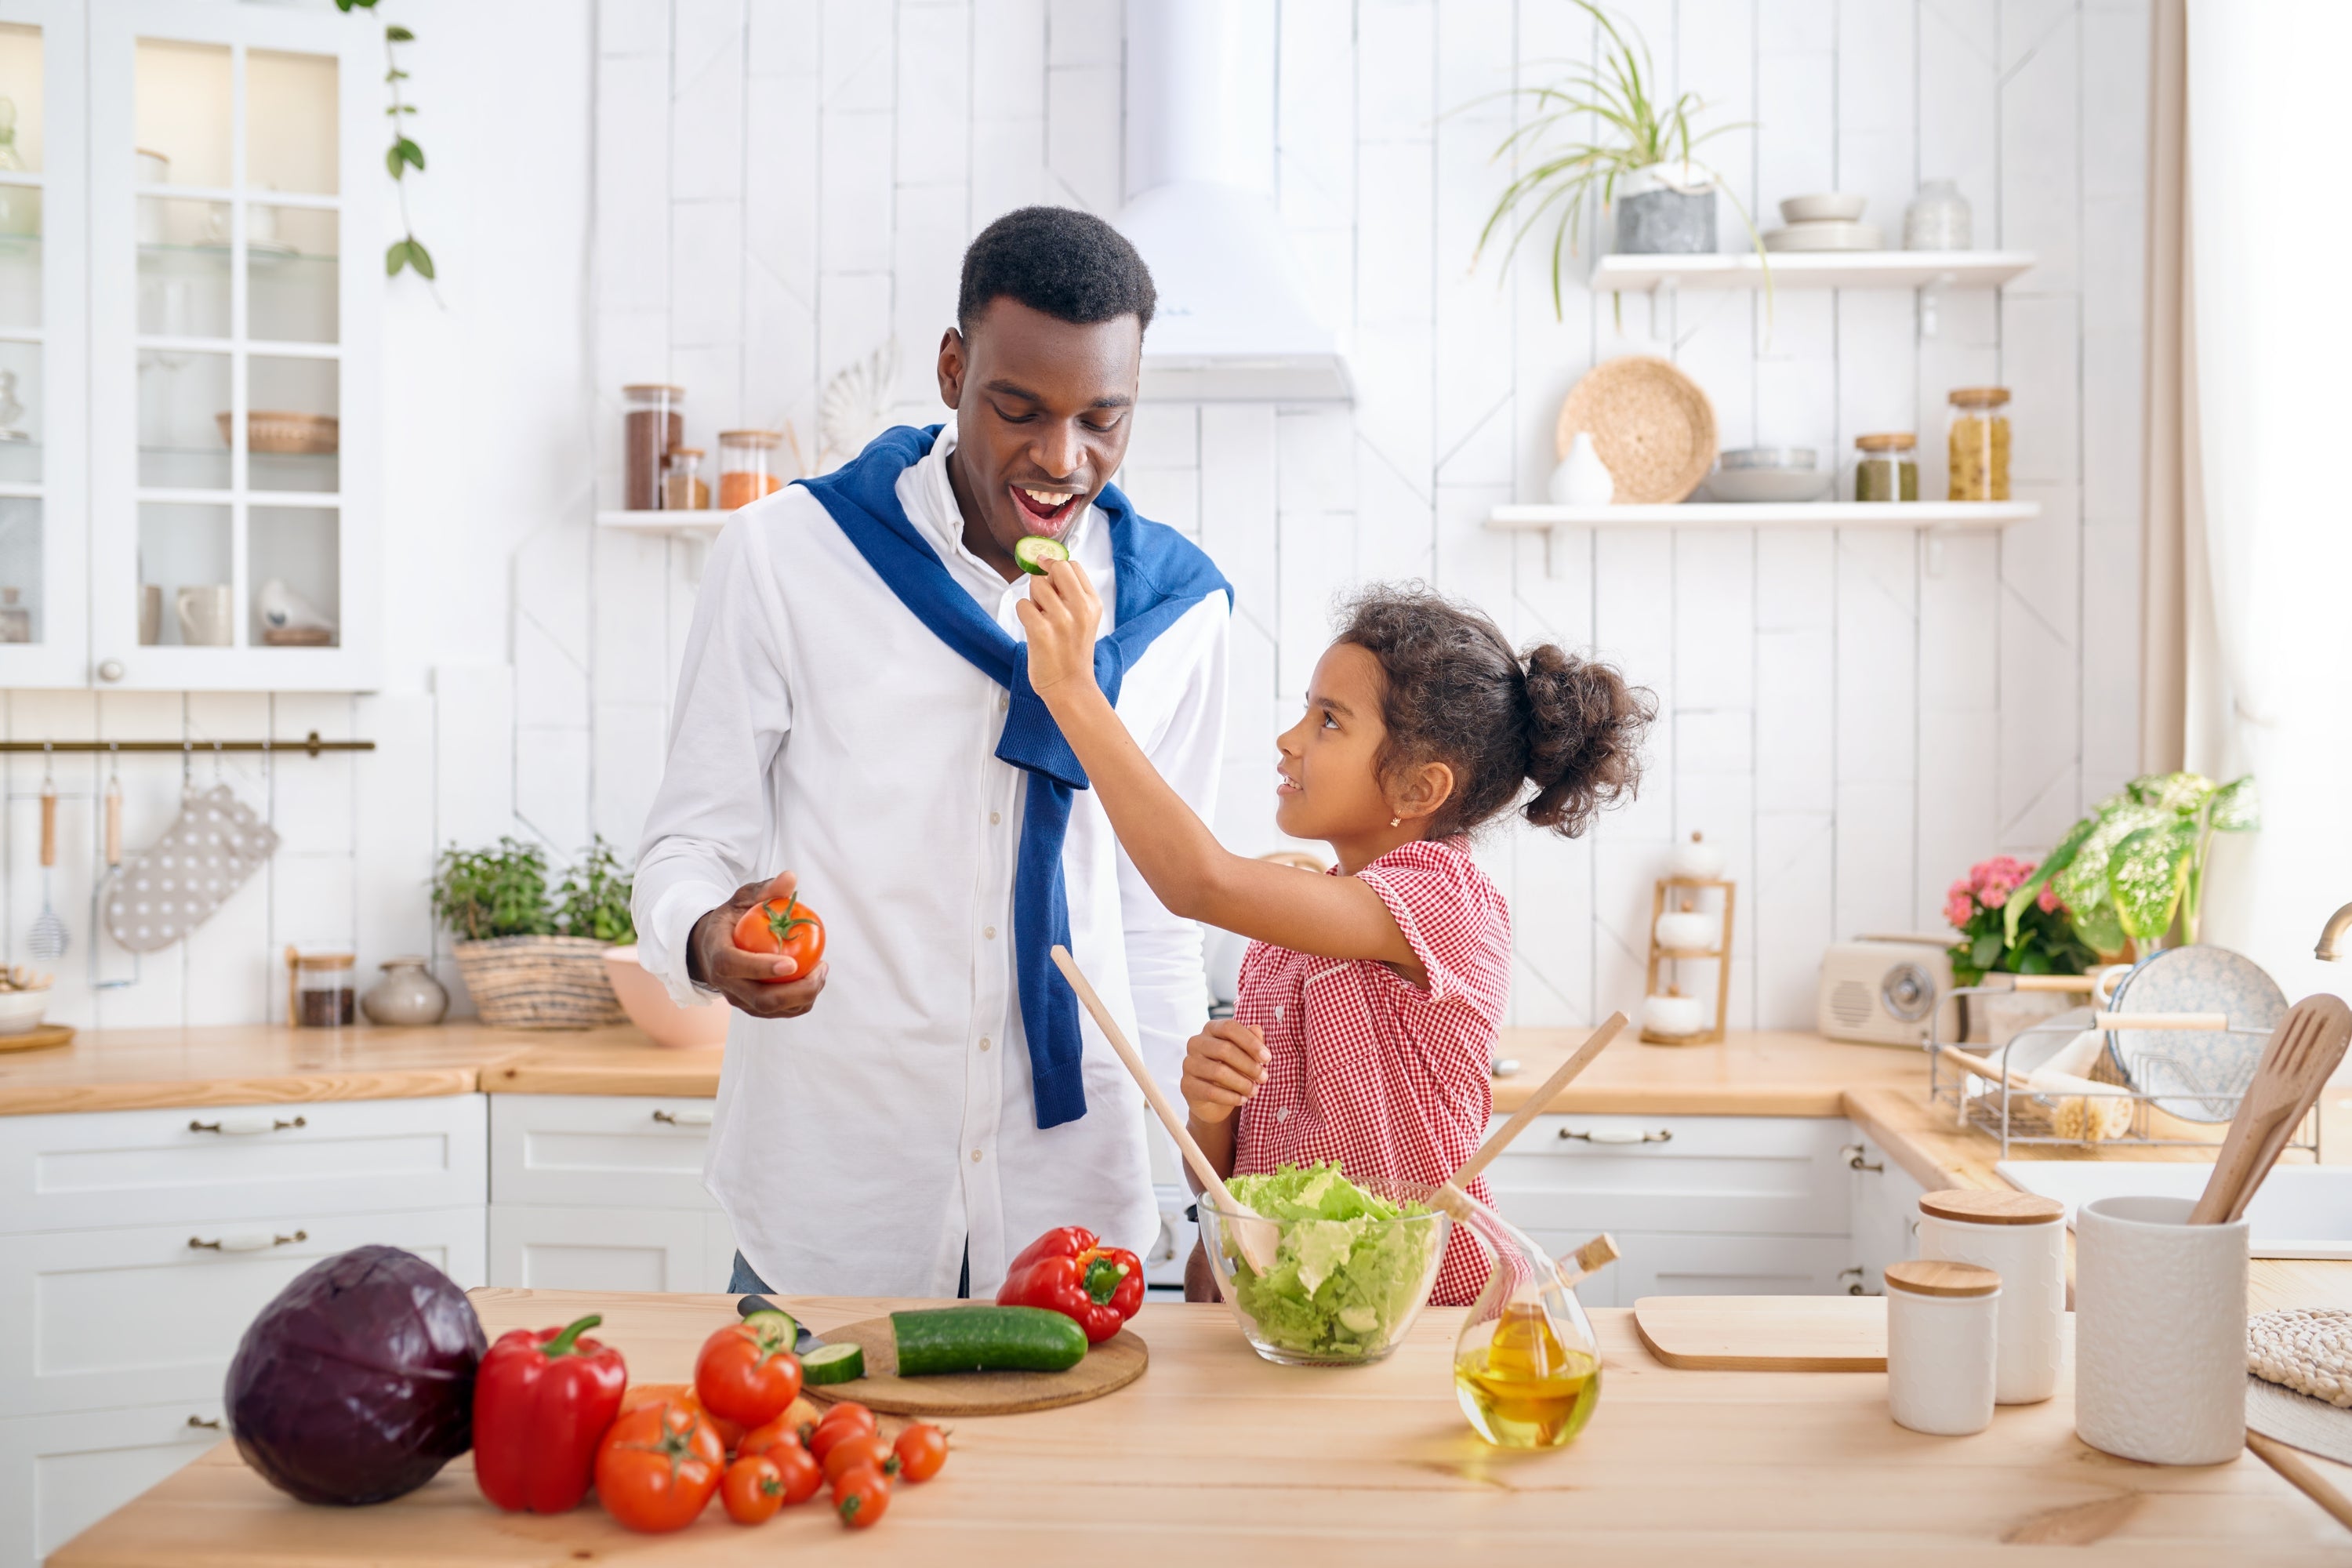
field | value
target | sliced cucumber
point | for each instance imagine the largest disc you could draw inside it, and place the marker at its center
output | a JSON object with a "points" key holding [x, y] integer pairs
{"points": [[1034, 550], [785, 1328], [986, 1339], [832, 1363]]}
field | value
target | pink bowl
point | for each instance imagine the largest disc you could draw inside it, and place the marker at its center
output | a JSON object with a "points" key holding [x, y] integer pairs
{"points": [[647, 1003]]}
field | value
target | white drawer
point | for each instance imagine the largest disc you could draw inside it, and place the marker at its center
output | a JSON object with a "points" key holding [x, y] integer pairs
{"points": [[599, 1151], [104, 1318], [100, 1168], [560, 1248], [1731, 1266], [61, 1474], [1753, 1176]]}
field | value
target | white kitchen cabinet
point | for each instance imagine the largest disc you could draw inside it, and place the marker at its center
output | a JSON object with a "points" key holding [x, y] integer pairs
{"points": [[60, 1474], [548, 1247], [593, 1192], [1886, 1211], [1739, 1175]]}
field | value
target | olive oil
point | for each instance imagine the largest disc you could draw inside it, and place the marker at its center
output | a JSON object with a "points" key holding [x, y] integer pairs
{"points": [[1524, 1388]]}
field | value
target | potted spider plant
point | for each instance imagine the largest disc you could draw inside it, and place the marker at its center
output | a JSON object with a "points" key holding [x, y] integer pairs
{"points": [[1601, 135]]}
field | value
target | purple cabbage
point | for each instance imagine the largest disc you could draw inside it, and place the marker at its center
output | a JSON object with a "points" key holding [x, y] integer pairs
{"points": [[356, 1384]]}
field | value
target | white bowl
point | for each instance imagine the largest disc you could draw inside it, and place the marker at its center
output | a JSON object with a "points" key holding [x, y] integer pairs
{"points": [[1757, 485], [1834, 205], [22, 1010], [647, 1003], [1823, 236]]}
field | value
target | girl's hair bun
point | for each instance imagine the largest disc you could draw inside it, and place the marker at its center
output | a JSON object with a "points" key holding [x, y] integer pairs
{"points": [[1585, 726]]}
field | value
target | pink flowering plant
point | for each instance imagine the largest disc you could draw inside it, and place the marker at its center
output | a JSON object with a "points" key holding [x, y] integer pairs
{"points": [[2045, 941]]}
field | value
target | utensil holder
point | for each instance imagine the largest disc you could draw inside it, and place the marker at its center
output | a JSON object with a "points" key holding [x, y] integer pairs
{"points": [[2159, 1332]]}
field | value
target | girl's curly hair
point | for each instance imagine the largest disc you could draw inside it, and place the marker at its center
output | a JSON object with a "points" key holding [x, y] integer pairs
{"points": [[1454, 692]]}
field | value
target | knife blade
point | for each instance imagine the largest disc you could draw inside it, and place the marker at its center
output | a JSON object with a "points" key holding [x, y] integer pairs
{"points": [[802, 1340]]}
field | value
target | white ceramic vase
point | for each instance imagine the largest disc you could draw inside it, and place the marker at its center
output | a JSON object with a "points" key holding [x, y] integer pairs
{"points": [[1582, 479]]}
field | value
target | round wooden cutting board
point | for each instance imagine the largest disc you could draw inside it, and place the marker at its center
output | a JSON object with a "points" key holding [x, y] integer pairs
{"points": [[1108, 1367]]}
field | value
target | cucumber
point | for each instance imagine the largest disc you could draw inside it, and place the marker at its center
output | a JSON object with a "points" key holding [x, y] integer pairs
{"points": [[986, 1339], [832, 1363], [1034, 550], [785, 1327]]}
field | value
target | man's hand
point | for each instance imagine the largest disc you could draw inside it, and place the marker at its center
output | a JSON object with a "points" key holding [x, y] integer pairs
{"points": [[1223, 1065], [749, 980], [1061, 614]]}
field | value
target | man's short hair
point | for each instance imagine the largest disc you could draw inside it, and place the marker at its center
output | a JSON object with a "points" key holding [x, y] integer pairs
{"points": [[1067, 264]]}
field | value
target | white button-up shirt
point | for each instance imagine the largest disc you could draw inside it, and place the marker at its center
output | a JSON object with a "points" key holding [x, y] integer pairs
{"points": [[821, 728]]}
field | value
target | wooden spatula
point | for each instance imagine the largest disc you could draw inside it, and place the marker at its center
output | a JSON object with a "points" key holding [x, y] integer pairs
{"points": [[2307, 1047], [1258, 1237], [1450, 1194]]}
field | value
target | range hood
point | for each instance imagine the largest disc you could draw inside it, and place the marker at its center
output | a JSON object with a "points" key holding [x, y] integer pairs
{"points": [[1232, 323]]}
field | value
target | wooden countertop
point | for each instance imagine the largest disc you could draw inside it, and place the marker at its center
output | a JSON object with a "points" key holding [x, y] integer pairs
{"points": [[1215, 1453], [1762, 1073]]}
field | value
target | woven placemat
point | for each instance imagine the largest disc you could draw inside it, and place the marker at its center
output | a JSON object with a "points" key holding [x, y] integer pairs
{"points": [[2307, 1348], [1653, 426]]}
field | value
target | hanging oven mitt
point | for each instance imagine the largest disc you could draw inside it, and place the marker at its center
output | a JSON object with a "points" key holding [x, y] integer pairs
{"points": [[172, 887]]}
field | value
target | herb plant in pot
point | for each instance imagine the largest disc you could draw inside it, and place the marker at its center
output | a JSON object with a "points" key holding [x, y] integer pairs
{"points": [[523, 972], [594, 901]]}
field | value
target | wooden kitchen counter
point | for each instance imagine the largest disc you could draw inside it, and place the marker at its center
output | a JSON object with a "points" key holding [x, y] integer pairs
{"points": [[1751, 1073], [1216, 1454]]}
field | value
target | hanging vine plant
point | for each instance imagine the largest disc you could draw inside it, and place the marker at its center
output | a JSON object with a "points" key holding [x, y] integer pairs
{"points": [[404, 154]]}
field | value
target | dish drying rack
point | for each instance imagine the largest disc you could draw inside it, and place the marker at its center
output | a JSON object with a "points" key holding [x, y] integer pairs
{"points": [[1991, 1096]]}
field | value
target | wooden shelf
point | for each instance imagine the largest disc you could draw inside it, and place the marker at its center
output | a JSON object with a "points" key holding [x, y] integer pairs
{"points": [[1940, 515], [705, 523], [1812, 269]]}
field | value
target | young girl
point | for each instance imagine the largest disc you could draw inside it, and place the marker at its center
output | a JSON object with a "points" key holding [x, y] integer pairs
{"points": [[1370, 999]]}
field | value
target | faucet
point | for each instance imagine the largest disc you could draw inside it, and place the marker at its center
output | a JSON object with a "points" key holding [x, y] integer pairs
{"points": [[2332, 933]]}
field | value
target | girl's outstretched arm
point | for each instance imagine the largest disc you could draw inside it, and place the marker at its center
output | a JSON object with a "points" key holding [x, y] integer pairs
{"points": [[1196, 876]]}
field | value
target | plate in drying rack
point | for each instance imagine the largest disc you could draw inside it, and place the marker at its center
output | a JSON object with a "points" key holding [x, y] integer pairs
{"points": [[2198, 1076]]}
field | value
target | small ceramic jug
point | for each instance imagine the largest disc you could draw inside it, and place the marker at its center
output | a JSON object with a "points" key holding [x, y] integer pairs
{"points": [[1582, 479], [407, 994]]}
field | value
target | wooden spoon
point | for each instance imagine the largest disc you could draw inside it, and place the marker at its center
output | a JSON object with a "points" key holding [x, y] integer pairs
{"points": [[2307, 1047], [1450, 1194], [1258, 1237]]}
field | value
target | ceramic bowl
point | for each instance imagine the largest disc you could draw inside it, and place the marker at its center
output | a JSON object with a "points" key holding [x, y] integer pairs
{"points": [[647, 1003], [1836, 206], [1344, 1322], [1758, 485], [1768, 457], [22, 1010], [1827, 236], [2198, 1075]]}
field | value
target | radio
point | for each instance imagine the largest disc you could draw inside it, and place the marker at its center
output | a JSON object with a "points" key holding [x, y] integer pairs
{"points": [[1885, 990]]}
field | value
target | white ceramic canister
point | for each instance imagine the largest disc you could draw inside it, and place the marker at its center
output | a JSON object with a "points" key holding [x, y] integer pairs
{"points": [[1581, 478], [2159, 1332], [2023, 1238], [1685, 931], [1942, 1344], [1677, 1018], [1697, 859]]}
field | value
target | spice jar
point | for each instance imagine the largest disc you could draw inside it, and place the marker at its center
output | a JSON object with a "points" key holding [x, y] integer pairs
{"points": [[683, 489], [1938, 217], [2023, 1238], [654, 422], [321, 992], [1941, 1338], [747, 467], [1887, 468], [1978, 430]]}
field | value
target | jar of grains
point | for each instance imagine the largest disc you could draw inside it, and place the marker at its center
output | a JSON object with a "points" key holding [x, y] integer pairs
{"points": [[747, 467], [1978, 426], [1886, 467], [651, 422], [319, 992], [683, 485]]}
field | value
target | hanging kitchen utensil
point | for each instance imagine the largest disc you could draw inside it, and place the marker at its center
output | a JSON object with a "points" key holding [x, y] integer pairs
{"points": [[1454, 1187], [176, 884], [1258, 1237], [48, 941], [2307, 1047]]}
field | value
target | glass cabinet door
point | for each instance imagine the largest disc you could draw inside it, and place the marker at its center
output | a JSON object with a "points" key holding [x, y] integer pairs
{"points": [[44, 464], [229, 335]]}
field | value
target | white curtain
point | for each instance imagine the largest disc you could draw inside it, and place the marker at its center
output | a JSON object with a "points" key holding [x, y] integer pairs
{"points": [[2269, 682]]}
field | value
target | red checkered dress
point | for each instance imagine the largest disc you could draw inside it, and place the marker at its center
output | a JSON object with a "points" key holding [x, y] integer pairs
{"points": [[1392, 1081]]}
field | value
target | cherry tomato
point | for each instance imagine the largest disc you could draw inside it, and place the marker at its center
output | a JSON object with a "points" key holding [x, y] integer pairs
{"points": [[658, 1467], [861, 1496], [640, 1395], [747, 1373], [787, 926], [863, 1449], [920, 1449], [781, 1433], [803, 1477], [753, 1489], [847, 1419]]}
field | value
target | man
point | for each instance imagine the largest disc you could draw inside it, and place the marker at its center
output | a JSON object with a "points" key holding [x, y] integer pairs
{"points": [[855, 726]]}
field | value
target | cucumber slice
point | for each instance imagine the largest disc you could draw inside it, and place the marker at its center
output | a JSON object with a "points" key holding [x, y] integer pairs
{"points": [[986, 1339], [1034, 550], [786, 1327], [832, 1363]]}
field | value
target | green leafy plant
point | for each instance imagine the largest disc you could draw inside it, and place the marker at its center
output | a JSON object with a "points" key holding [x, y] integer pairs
{"points": [[2138, 862], [2042, 944], [485, 893], [593, 899], [403, 156], [1619, 93]]}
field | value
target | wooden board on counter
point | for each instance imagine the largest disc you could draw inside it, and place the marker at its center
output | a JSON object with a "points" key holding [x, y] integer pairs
{"points": [[1108, 1368], [1765, 1333], [1231, 1458], [1751, 1073]]}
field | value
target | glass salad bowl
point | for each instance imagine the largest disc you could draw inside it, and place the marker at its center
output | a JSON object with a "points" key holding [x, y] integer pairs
{"points": [[1526, 1367], [1353, 1264]]}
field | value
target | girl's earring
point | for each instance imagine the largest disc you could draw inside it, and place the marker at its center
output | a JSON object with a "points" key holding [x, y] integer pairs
{"points": [[1396, 822]]}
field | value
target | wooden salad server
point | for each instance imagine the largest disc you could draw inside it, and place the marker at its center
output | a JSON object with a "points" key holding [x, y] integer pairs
{"points": [[2302, 1052], [1451, 1195]]}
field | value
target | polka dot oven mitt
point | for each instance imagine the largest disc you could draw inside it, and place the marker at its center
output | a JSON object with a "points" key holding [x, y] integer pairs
{"points": [[172, 887]]}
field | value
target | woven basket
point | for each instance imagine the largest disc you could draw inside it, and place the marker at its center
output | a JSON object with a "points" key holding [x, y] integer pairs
{"points": [[1653, 426], [539, 982]]}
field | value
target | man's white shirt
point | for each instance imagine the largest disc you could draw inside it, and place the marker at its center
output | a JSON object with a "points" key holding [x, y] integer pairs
{"points": [[821, 728]]}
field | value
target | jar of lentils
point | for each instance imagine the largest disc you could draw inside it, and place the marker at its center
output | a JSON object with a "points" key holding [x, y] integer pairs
{"points": [[1886, 467], [1978, 427]]}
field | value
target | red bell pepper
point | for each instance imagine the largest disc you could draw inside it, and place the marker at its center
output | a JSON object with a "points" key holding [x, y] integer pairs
{"points": [[1066, 1271], [542, 1402]]}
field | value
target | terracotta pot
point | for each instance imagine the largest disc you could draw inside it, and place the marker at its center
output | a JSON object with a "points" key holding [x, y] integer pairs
{"points": [[647, 1003]]}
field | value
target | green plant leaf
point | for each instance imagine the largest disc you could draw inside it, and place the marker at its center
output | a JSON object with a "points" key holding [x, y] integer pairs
{"points": [[485, 893], [395, 74], [1986, 950], [2057, 860], [396, 34], [2148, 871], [2236, 808], [400, 108], [407, 151], [396, 256], [420, 258]]}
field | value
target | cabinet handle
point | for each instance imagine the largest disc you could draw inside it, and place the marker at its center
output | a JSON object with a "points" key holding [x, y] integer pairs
{"points": [[1855, 1287], [1853, 1152], [243, 1126], [109, 669], [213, 1425], [247, 1241], [1619, 1135], [683, 1118]]}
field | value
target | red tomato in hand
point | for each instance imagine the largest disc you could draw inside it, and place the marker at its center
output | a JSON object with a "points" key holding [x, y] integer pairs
{"points": [[658, 1467], [861, 1496], [785, 926], [804, 1478], [747, 1373], [752, 1489], [921, 1449], [861, 1448], [847, 1419]]}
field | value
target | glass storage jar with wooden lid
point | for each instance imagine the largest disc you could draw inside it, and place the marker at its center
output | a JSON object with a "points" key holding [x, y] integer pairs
{"points": [[1886, 467], [651, 422], [683, 487], [1979, 438], [319, 989], [747, 464]]}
